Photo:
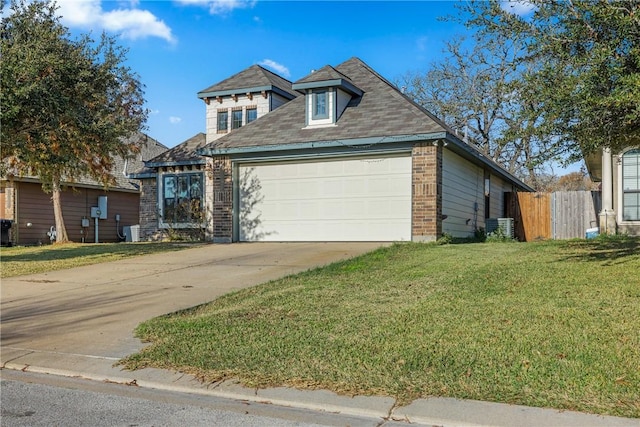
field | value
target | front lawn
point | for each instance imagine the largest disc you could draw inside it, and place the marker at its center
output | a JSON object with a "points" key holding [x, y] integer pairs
{"points": [[20, 260], [549, 324]]}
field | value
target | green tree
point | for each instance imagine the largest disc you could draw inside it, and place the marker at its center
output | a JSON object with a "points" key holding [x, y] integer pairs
{"points": [[585, 68], [66, 105]]}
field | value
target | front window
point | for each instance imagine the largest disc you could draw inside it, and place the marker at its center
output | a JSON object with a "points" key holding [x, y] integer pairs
{"points": [[320, 109], [223, 121], [252, 114], [182, 198], [631, 186], [236, 119]]}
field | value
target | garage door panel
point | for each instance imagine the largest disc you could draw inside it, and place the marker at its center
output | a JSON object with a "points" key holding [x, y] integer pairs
{"points": [[356, 199]]}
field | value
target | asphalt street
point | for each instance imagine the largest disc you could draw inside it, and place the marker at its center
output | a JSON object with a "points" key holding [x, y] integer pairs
{"points": [[30, 399]]}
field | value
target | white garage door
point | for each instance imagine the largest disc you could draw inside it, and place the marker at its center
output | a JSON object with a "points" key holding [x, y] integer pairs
{"points": [[363, 199]]}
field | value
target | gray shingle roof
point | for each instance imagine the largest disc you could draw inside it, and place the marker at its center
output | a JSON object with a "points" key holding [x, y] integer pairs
{"points": [[249, 80], [149, 148], [381, 111], [122, 167], [325, 73], [184, 153]]}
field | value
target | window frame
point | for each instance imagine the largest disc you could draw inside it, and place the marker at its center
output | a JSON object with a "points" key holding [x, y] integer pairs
{"points": [[225, 114], [632, 190], [253, 110], [315, 115], [236, 118], [173, 210]]}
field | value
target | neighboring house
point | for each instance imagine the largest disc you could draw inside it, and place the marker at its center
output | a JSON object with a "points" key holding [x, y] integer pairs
{"points": [[619, 175], [23, 201], [351, 159], [176, 183]]}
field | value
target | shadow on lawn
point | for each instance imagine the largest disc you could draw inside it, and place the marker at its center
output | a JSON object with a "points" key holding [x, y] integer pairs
{"points": [[612, 249], [56, 253]]}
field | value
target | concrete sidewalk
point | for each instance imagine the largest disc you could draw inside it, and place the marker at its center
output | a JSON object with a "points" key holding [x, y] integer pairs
{"points": [[79, 323]]}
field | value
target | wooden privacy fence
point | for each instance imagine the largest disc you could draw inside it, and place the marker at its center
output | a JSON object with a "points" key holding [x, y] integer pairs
{"points": [[558, 215]]}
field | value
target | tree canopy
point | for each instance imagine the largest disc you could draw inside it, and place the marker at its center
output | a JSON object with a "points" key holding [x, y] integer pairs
{"points": [[477, 91], [553, 84], [66, 105], [585, 67]]}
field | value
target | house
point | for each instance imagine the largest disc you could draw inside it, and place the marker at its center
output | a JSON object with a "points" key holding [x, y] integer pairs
{"points": [[348, 157], [619, 175], [173, 184], [23, 201]]}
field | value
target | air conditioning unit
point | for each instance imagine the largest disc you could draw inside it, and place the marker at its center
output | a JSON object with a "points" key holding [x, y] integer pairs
{"points": [[131, 233], [504, 224]]}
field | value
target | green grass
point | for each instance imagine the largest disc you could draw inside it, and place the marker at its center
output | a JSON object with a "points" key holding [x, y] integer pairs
{"points": [[17, 261], [550, 324]]}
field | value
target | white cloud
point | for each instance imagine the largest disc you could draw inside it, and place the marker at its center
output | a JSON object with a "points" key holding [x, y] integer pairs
{"points": [[174, 120], [518, 7], [421, 43], [220, 7], [131, 22], [279, 68]]}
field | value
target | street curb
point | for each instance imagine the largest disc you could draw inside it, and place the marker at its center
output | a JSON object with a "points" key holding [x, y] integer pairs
{"points": [[232, 390], [435, 411]]}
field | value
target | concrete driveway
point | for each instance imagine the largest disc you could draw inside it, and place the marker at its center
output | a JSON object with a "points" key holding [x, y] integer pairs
{"points": [[92, 310]]}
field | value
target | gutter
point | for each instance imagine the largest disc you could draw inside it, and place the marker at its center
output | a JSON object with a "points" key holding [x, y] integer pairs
{"points": [[453, 143], [353, 143], [175, 163], [471, 153]]}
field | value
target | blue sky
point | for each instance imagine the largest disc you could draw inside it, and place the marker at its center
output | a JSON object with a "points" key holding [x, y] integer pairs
{"points": [[181, 47]]}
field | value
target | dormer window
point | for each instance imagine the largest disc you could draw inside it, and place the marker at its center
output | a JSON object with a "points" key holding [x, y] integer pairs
{"points": [[320, 104], [328, 93]]}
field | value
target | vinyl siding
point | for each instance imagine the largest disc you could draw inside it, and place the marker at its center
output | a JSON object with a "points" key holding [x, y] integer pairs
{"points": [[343, 100], [498, 188], [277, 101], [462, 188], [35, 207]]}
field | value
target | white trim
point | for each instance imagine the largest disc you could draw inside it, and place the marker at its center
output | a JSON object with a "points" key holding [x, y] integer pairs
{"points": [[620, 191]]}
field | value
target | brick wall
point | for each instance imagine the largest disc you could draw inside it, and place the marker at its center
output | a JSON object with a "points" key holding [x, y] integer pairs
{"points": [[149, 210], [221, 200], [426, 204]]}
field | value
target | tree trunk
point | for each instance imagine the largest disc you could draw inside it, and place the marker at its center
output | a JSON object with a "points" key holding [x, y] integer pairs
{"points": [[61, 231]]}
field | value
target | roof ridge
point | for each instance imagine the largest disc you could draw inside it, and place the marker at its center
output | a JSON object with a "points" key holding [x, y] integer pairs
{"points": [[398, 91], [271, 72]]}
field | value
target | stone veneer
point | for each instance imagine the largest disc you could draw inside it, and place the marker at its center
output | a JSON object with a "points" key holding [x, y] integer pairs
{"points": [[426, 200]]}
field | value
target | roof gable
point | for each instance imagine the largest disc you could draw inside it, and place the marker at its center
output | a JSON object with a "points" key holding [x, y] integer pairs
{"points": [[327, 76], [381, 111], [184, 153], [252, 79]]}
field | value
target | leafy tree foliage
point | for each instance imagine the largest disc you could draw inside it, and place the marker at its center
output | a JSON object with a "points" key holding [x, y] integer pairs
{"points": [[586, 75], [66, 105]]}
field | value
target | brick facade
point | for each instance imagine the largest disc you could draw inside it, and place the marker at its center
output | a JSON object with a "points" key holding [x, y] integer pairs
{"points": [[426, 200], [149, 210], [221, 200]]}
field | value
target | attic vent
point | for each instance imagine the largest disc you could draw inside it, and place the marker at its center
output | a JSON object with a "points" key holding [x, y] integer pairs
{"points": [[504, 224]]}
